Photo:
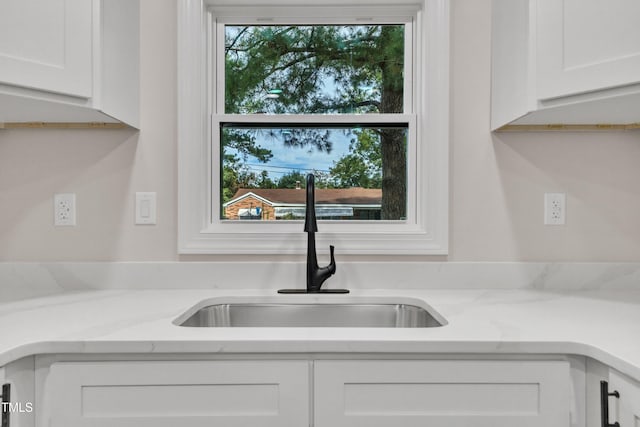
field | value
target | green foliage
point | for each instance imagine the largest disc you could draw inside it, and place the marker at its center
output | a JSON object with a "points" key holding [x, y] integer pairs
{"points": [[230, 180], [323, 179], [236, 175], [292, 179], [312, 69], [263, 180], [363, 167], [244, 142]]}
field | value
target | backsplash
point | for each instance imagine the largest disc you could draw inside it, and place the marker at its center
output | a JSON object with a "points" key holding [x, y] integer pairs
{"points": [[28, 280]]}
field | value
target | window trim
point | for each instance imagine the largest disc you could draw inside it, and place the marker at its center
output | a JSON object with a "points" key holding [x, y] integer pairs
{"points": [[427, 235]]}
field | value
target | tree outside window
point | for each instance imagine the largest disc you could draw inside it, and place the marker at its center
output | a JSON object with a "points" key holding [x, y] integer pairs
{"points": [[322, 70]]}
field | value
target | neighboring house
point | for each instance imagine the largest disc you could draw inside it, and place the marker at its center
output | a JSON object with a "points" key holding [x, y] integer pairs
{"points": [[289, 203]]}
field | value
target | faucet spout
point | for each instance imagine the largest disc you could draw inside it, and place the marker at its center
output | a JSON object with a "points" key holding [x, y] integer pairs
{"points": [[310, 223]]}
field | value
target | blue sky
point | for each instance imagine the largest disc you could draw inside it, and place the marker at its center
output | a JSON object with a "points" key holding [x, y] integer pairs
{"points": [[305, 159]]}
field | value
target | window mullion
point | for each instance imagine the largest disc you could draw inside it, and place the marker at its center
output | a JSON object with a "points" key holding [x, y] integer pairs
{"points": [[313, 119]]}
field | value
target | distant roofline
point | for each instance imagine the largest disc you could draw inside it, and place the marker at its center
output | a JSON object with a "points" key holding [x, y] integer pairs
{"points": [[244, 196], [252, 193]]}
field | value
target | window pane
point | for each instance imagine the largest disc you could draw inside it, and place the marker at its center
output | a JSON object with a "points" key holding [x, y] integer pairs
{"points": [[360, 171], [314, 69]]}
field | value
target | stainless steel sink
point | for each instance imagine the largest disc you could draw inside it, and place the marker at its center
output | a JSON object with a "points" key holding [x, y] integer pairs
{"points": [[348, 315]]}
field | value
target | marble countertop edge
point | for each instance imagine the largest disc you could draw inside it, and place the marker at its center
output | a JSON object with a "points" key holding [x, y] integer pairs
{"points": [[600, 325], [318, 348]]}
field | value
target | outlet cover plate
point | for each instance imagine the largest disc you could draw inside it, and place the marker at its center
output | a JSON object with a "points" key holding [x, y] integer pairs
{"points": [[64, 209], [555, 208]]}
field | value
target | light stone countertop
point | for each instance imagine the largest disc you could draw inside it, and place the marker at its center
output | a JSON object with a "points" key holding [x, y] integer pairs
{"points": [[604, 325]]}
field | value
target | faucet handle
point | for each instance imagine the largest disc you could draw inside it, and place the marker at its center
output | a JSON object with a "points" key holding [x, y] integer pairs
{"points": [[329, 270], [332, 264]]}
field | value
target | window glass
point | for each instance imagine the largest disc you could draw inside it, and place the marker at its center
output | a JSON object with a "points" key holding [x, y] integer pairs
{"points": [[360, 171], [294, 70], [314, 69]]}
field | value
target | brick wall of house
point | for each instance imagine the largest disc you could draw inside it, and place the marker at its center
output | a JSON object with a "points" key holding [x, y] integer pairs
{"points": [[268, 212]]}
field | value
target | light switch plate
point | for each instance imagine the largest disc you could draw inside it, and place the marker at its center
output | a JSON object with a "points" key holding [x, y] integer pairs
{"points": [[145, 208]]}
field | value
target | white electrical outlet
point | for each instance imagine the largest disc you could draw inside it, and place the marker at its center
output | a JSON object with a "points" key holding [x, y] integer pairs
{"points": [[555, 207], [64, 209]]}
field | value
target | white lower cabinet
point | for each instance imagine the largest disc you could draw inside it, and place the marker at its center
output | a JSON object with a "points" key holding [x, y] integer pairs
{"points": [[625, 409], [20, 407], [302, 393], [171, 394], [455, 393]]}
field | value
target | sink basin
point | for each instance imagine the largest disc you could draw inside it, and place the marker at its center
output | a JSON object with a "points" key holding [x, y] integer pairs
{"points": [[291, 314]]}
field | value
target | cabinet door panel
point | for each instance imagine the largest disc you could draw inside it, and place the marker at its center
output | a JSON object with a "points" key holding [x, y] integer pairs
{"points": [[189, 394], [626, 409], [447, 393], [586, 45], [46, 45], [20, 375]]}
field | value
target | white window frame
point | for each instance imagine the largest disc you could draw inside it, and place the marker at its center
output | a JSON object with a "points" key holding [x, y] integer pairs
{"points": [[425, 231]]}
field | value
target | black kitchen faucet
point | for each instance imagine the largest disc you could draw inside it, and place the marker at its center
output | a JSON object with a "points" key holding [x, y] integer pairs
{"points": [[316, 276]]}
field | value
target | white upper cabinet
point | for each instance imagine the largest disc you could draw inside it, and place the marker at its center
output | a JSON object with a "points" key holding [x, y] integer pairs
{"points": [[587, 45], [570, 62], [69, 61], [46, 45]]}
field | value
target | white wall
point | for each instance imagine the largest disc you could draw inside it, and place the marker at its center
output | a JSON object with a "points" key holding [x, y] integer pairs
{"points": [[103, 167], [497, 181]]}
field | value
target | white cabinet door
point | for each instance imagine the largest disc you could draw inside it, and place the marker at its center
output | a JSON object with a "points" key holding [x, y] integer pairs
{"points": [[19, 375], [47, 45], [176, 394], [442, 393], [626, 409], [586, 45]]}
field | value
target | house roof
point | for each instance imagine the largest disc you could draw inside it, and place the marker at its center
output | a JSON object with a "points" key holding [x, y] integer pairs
{"points": [[346, 196]]}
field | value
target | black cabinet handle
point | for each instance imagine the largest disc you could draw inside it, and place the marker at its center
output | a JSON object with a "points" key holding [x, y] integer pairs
{"points": [[5, 397], [604, 404]]}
